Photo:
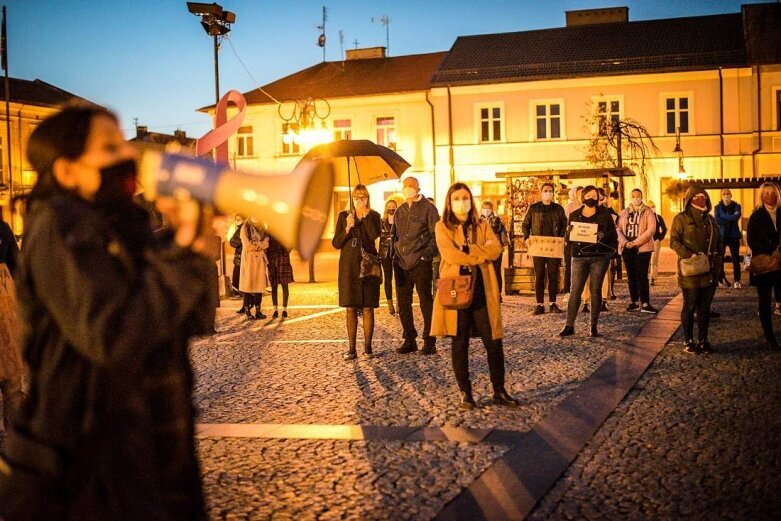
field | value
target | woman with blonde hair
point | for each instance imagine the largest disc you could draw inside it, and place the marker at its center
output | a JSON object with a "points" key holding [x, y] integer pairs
{"points": [[763, 238], [253, 280], [356, 231], [468, 245]]}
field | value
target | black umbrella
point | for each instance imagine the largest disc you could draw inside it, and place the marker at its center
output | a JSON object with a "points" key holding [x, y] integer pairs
{"points": [[369, 161]]}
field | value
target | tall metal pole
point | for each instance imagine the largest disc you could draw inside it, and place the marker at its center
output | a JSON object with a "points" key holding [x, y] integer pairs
{"points": [[216, 71], [8, 123]]}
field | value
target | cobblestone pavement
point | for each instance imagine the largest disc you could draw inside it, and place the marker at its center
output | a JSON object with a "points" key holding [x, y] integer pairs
{"points": [[263, 372], [698, 438]]}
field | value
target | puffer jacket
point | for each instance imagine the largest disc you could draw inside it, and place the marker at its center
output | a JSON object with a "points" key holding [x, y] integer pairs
{"points": [[644, 240], [694, 231]]}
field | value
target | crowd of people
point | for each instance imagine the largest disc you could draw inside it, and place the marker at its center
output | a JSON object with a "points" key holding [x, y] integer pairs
{"points": [[106, 429]]}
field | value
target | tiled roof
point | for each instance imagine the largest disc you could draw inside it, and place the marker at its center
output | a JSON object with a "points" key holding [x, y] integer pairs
{"points": [[35, 92], [674, 44], [360, 77]]}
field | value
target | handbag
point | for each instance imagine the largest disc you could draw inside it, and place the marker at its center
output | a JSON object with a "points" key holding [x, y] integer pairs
{"points": [[371, 266], [765, 263], [699, 263], [456, 292]]}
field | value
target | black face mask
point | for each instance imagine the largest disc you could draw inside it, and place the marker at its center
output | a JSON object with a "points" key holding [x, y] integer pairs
{"points": [[117, 183], [591, 203]]}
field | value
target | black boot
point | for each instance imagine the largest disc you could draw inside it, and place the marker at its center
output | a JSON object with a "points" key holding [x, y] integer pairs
{"points": [[567, 331], [467, 402], [502, 398], [772, 343], [594, 333], [248, 311]]}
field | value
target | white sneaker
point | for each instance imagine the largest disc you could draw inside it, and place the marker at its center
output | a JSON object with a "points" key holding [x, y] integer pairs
{"points": [[737, 285]]}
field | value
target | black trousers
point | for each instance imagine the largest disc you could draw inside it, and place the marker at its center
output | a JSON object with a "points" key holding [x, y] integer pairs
{"points": [[637, 274], [418, 278], [545, 266], [699, 300], [567, 267], [734, 252], [764, 294], [498, 270], [477, 318], [387, 275]]}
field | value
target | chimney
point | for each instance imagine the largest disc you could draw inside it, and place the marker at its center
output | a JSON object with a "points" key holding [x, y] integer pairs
{"points": [[141, 131], [608, 15], [366, 54], [180, 135]]}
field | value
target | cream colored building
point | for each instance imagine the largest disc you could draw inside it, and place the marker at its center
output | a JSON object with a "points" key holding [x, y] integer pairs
{"points": [[528, 101]]}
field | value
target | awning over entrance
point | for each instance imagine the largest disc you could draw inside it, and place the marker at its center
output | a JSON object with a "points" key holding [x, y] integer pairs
{"points": [[580, 173], [739, 182]]}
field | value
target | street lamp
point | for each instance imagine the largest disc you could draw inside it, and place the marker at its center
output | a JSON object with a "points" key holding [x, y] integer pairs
{"points": [[216, 22], [679, 152]]}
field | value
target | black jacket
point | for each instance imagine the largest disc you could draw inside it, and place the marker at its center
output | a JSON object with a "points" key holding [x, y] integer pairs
{"points": [[661, 228], [414, 237], [8, 247], [607, 235], [763, 239], [544, 219], [109, 421], [238, 246], [386, 239]]}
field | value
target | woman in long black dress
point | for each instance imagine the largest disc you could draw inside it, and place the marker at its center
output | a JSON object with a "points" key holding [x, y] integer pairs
{"points": [[356, 230]]}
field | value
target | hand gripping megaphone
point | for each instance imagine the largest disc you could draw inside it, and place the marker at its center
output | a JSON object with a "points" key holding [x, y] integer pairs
{"points": [[294, 206]]}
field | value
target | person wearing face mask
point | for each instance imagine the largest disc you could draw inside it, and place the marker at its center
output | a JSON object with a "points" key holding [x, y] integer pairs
{"points": [[695, 231], [253, 280], [763, 236], [414, 249], [728, 214], [573, 204], [497, 226], [386, 251], [545, 218], [357, 230], [590, 260], [636, 229], [107, 429], [468, 245]]}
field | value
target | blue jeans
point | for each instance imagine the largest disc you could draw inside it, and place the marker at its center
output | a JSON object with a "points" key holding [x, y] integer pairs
{"points": [[582, 267]]}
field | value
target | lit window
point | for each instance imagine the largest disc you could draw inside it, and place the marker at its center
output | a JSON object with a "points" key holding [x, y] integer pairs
{"points": [[608, 114], [490, 124], [386, 132], [343, 129], [677, 114], [244, 142], [290, 140], [548, 120]]}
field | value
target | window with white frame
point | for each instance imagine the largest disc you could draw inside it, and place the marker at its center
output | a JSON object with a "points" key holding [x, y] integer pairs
{"points": [[343, 129], [676, 114], [548, 120], [386, 131], [490, 124], [244, 142], [608, 112], [289, 135]]}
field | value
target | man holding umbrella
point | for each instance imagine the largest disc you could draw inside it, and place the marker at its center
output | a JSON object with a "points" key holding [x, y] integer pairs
{"points": [[415, 247]]}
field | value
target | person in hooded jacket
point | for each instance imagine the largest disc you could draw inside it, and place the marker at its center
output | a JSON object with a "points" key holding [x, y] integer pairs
{"points": [[764, 238], [107, 429], [695, 231], [728, 214], [253, 280], [636, 230]]}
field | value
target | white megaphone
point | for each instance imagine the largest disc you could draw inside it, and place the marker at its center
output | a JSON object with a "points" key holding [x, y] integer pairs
{"points": [[294, 206]]}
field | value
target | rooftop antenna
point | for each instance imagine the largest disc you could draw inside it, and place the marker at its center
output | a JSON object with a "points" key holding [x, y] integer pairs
{"points": [[385, 20], [341, 44], [321, 38], [355, 42]]}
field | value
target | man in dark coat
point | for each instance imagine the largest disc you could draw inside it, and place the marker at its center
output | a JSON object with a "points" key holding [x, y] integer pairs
{"points": [[728, 214], [545, 218], [415, 247]]}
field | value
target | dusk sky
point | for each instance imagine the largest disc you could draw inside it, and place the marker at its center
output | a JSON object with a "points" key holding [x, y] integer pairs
{"points": [[151, 59]]}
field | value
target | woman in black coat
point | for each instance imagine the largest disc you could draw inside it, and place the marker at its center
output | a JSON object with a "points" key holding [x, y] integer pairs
{"points": [[355, 231], [107, 429], [763, 239]]}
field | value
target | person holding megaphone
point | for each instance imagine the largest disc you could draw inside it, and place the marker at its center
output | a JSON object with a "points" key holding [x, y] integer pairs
{"points": [[107, 429]]}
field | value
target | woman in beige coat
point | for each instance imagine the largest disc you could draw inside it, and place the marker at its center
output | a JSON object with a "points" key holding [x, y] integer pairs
{"points": [[253, 279], [466, 245]]}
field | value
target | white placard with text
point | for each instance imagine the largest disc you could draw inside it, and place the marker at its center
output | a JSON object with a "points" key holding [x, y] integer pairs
{"points": [[583, 232], [542, 246]]}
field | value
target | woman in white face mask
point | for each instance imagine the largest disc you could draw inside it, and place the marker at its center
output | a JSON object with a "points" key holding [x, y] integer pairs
{"points": [[468, 245]]}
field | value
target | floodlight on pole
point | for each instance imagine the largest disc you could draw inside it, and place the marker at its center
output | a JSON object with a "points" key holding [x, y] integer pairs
{"points": [[216, 22]]}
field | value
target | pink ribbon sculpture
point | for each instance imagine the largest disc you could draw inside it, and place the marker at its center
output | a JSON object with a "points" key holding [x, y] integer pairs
{"points": [[223, 128]]}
